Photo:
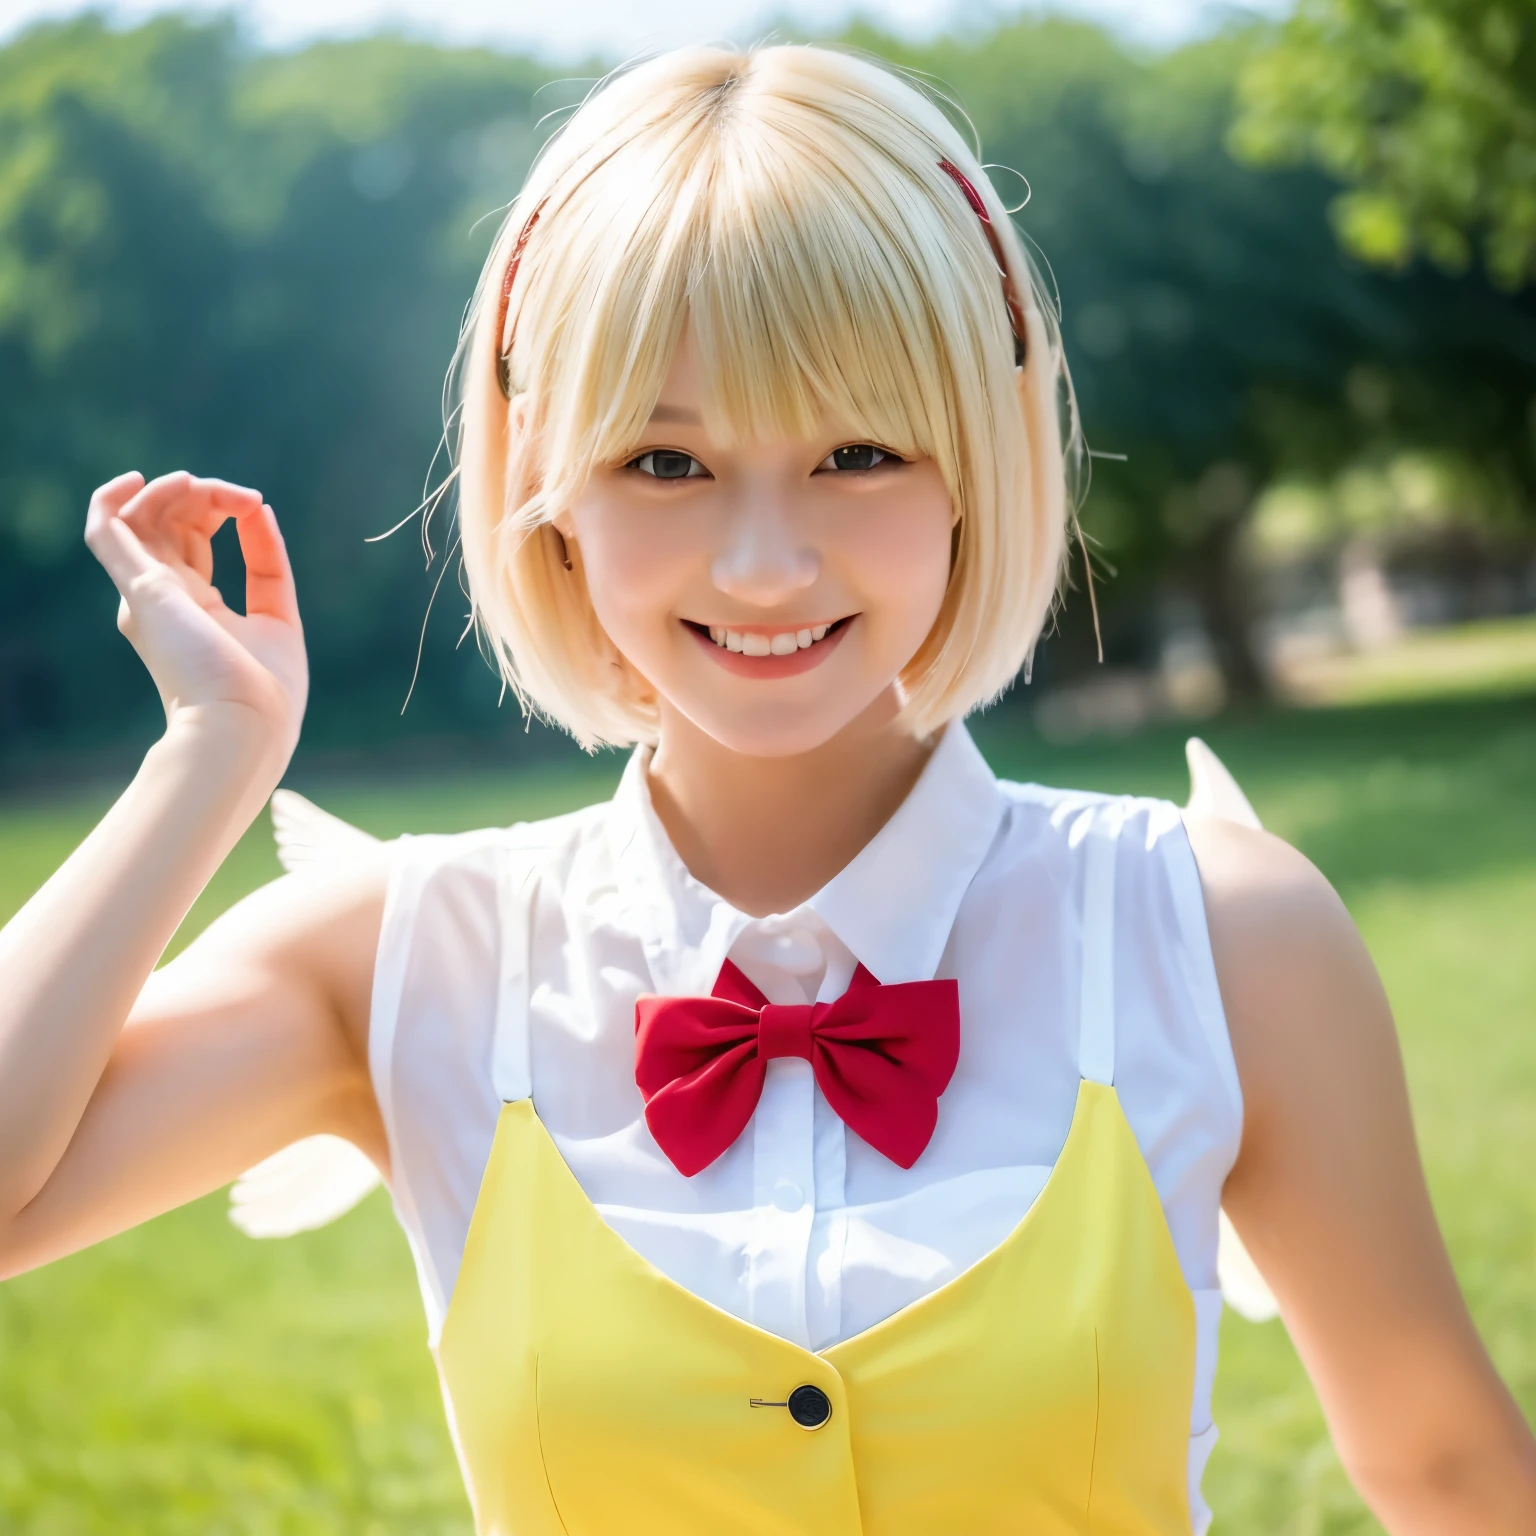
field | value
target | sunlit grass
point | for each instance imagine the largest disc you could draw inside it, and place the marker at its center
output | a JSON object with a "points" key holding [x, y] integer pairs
{"points": [[182, 1378], [1485, 659]]}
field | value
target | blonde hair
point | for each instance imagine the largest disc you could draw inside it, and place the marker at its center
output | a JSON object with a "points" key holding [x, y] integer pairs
{"points": [[790, 202]]}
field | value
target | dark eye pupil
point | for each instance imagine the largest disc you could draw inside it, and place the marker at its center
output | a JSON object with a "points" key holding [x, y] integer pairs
{"points": [[856, 456], [669, 464]]}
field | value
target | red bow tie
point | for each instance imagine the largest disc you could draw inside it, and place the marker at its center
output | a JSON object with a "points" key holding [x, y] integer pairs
{"points": [[882, 1055]]}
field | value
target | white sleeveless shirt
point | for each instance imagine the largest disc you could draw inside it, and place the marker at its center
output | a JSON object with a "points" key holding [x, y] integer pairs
{"points": [[510, 958]]}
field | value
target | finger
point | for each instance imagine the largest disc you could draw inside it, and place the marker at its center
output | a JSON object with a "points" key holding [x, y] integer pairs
{"points": [[225, 493], [268, 576], [112, 542], [162, 516], [108, 500], [117, 490], [177, 515], [211, 501], [123, 555], [214, 500], [146, 510]]}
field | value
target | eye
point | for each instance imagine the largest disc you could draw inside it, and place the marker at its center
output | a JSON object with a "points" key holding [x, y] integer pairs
{"points": [[668, 464], [858, 456]]}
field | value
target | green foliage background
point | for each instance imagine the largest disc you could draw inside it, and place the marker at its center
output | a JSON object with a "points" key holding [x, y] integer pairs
{"points": [[255, 264], [1426, 108]]}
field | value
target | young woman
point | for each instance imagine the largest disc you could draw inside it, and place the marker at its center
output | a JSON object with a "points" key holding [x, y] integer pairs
{"points": [[822, 1136]]}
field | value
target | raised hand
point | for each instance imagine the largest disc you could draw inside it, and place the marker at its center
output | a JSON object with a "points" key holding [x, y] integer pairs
{"points": [[208, 662]]}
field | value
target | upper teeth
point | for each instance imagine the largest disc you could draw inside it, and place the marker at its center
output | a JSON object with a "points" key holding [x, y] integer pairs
{"points": [[785, 643]]}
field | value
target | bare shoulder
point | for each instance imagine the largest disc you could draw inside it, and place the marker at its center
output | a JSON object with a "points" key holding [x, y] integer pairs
{"points": [[317, 928], [1251, 875], [1302, 997], [1326, 1192]]}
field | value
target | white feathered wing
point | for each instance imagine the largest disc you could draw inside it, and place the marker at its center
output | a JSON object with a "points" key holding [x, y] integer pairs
{"points": [[311, 1182], [1214, 792], [314, 1181]]}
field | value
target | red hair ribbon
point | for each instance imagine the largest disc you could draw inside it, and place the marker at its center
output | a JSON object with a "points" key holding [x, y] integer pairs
{"points": [[504, 353], [1010, 294]]}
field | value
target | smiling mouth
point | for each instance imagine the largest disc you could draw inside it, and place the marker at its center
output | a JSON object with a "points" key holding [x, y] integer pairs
{"points": [[752, 643]]}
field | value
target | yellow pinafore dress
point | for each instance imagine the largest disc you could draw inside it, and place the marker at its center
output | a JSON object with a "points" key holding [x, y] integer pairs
{"points": [[1045, 1391]]}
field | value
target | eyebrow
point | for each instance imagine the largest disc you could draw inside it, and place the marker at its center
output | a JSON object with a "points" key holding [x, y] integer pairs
{"points": [[680, 414]]}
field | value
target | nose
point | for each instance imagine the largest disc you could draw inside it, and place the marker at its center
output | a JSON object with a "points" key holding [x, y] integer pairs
{"points": [[764, 561]]}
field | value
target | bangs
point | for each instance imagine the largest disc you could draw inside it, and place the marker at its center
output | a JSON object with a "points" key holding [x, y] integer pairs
{"points": [[808, 303], [823, 280]]}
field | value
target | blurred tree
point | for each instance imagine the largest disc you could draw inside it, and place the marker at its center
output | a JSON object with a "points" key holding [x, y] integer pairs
{"points": [[110, 269], [255, 265], [1218, 337], [251, 265], [1425, 109]]}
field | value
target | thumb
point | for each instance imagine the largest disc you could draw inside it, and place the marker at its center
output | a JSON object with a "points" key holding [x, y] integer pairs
{"points": [[110, 539]]}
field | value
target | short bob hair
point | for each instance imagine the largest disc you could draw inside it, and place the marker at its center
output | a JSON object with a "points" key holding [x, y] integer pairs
{"points": [[790, 201]]}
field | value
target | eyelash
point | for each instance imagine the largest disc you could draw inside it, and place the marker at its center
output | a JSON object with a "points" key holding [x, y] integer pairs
{"points": [[651, 453], [635, 463]]}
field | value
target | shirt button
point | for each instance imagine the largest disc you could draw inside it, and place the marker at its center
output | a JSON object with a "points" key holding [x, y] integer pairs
{"points": [[797, 951], [788, 1195], [809, 1407]]}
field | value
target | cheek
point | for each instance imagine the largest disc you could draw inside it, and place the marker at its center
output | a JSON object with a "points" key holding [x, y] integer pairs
{"points": [[898, 557], [636, 561]]}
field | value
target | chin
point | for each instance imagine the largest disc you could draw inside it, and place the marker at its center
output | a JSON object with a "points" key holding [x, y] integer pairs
{"points": [[786, 730]]}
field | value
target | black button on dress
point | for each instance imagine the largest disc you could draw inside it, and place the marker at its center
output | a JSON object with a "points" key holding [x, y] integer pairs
{"points": [[809, 1407]]}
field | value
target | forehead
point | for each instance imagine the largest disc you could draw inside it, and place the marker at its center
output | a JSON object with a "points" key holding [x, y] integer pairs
{"points": [[680, 400]]}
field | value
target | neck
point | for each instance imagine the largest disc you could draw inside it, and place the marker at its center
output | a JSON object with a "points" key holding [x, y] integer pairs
{"points": [[768, 832]]}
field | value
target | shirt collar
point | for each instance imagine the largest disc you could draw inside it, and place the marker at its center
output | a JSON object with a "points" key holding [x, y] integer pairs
{"points": [[893, 904]]}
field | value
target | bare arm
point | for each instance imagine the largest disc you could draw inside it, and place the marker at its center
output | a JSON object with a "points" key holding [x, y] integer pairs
{"points": [[253, 1037], [1329, 1196], [124, 1092]]}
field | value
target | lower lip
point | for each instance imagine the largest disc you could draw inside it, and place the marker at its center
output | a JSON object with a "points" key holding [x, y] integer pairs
{"points": [[774, 666]]}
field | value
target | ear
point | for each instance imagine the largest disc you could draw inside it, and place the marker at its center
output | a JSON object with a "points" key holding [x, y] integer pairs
{"points": [[518, 423], [517, 414]]}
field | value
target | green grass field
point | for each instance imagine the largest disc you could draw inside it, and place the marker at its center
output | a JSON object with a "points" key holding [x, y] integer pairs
{"points": [[182, 1378]]}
